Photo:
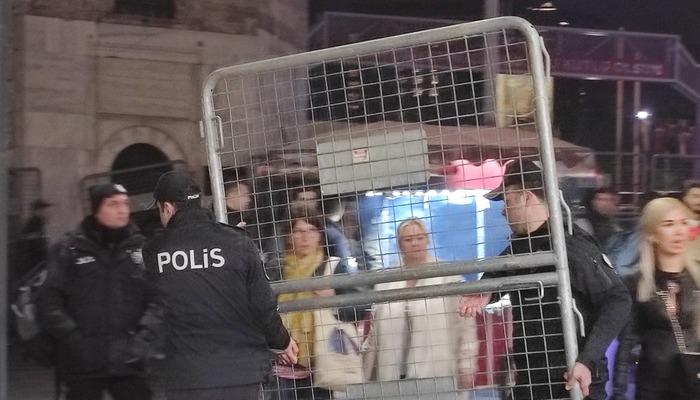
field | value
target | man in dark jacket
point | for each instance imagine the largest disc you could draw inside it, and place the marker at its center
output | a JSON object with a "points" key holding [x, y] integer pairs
{"points": [[602, 209], [599, 294], [95, 301], [221, 316]]}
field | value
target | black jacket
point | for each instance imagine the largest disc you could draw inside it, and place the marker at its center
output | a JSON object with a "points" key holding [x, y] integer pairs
{"points": [[94, 299], [220, 314], [657, 376], [604, 227], [600, 296]]}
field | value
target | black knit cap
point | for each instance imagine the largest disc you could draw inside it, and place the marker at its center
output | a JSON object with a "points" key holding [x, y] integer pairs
{"points": [[99, 193], [525, 174], [176, 186]]}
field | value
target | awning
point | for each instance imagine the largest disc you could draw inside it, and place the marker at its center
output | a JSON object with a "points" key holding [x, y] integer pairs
{"points": [[468, 141], [491, 136]]}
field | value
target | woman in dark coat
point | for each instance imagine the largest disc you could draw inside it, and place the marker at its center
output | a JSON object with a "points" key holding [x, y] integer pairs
{"points": [[666, 286]]}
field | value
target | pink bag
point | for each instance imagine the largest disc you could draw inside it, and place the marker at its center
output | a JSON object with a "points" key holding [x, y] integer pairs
{"points": [[495, 335]]}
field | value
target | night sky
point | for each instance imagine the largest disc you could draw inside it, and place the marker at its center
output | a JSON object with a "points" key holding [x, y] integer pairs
{"points": [[681, 17], [581, 107]]}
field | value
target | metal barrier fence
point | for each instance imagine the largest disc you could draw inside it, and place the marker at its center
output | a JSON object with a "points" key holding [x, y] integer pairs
{"points": [[624, 170], [669, 172], [329, 153], [634, 174]]}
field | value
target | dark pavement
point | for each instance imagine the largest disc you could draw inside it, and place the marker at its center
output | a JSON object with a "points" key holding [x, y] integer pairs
{"points": [[31, 381]]}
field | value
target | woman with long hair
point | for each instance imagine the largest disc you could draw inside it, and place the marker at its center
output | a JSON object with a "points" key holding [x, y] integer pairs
{"points": [[305, 258], [423, 338], [666, 290]]}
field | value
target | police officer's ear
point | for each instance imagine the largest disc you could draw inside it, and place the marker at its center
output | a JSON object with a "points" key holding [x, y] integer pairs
{"points": [[533, 196], [527, 196], [166, 210]]}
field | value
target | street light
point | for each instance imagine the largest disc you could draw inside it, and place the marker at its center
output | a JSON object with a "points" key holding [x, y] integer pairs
{"points": [[546, 6], [642, 115], [641, 145]]}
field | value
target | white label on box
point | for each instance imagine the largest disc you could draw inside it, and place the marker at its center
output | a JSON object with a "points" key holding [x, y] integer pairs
{"points": [[360, 155]]}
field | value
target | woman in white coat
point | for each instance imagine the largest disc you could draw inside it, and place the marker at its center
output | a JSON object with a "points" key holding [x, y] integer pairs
{"points": [[423, 338]]}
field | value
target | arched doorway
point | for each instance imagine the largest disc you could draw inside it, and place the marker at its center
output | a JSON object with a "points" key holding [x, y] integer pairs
{"points": [[138, 167]]}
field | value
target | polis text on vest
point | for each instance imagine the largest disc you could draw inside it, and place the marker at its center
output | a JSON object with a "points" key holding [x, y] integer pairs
{"points": [[192, 259]]}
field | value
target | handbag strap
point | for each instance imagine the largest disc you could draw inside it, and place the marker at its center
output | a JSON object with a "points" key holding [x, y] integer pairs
{"points": [[406, 348], [330, 264], [672, 310]]}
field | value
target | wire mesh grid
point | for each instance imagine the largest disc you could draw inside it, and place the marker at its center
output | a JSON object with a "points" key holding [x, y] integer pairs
{"points": [[375, 158], [411, 122], [421, 348]]}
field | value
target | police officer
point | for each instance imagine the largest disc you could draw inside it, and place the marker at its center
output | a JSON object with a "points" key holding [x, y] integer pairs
{"points": [[599, 294], [221, 316], [95, 302]]}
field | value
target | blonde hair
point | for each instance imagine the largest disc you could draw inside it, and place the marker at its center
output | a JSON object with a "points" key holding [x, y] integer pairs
{"points": [[411, 221], [652, 215], [408, 222]]}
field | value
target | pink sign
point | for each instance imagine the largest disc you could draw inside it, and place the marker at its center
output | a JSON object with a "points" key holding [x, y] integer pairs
{"points": [[463, 174]]}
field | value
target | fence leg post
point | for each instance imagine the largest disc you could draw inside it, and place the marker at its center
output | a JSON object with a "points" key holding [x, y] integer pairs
{"points": [[696, 147]]}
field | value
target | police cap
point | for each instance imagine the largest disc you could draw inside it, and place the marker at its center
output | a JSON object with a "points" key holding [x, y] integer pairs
{"points": [[176, 186], [523, 173]]}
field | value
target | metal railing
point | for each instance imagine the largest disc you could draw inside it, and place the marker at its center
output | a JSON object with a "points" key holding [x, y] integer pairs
{"points": [[634, 174], [669, 172]]}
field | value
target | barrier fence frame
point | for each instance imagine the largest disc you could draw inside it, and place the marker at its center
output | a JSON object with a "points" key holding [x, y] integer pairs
{"points": [[537, 59]]}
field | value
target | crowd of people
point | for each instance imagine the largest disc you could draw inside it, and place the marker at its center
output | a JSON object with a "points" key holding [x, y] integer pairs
{"points": [[199, 295]]}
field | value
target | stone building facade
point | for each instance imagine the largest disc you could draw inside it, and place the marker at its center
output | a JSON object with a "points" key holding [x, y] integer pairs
{"points": [[93, 77]]}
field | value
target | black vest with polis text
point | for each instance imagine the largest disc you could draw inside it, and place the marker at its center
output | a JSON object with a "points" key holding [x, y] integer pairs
{"points": [[220, 313]]}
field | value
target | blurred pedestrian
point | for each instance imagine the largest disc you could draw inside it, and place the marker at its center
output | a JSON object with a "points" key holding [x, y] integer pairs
{"points": [[602, 209], [95, 301], [243, 212], [220, 313], [33, 242], [691, 198], [338, 243], [305, 200], [600, 296], [238, 203]]}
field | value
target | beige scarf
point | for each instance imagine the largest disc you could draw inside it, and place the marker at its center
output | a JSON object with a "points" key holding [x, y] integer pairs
{"points": [[301, 323]]}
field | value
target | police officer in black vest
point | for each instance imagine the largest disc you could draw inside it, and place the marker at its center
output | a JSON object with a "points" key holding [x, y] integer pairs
{"points": [[221, 316]]}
